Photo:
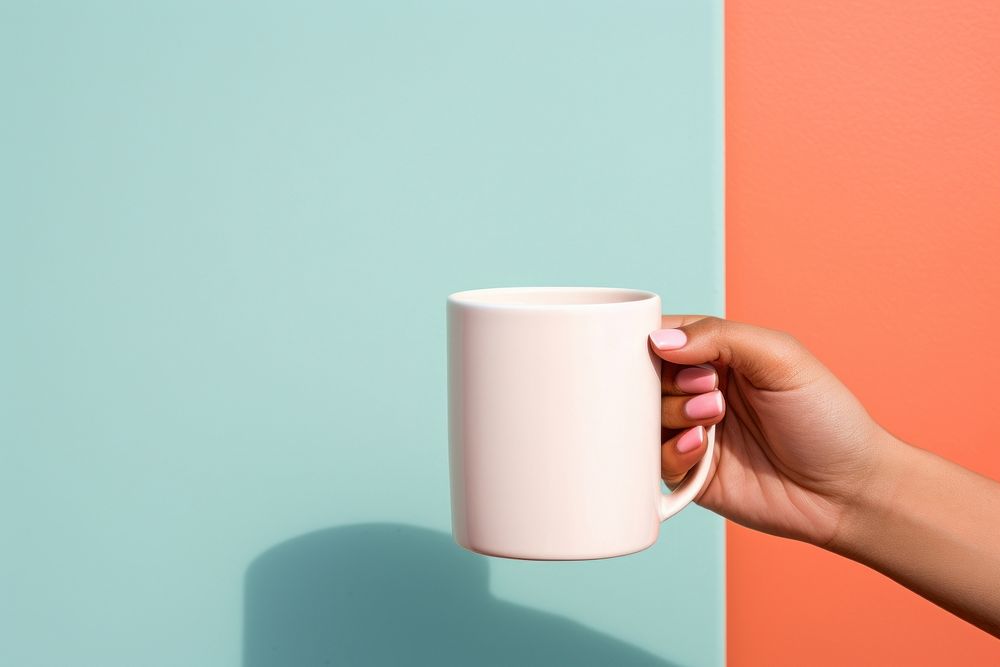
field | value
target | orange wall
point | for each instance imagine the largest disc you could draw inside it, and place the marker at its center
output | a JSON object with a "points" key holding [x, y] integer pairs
{"points": [[863, 215]]}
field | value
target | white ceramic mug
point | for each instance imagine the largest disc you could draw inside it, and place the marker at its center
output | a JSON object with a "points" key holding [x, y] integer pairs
{"points": [[554, 423]]}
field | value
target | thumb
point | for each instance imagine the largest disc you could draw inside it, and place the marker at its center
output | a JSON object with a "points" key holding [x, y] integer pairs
{"points": [[768, 358]]}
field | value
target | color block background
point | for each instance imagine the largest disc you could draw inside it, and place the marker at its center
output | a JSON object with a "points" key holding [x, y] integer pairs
{"points": [[227, 233], [863, 215]]}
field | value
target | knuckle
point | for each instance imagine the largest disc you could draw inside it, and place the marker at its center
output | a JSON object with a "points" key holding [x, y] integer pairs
{"points": [[788, 349], [790, 360], [712, 322], [717, 331], [790, 339]]}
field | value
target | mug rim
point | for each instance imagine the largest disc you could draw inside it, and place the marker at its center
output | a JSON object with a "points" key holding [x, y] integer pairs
{"points": [[477, 298]]}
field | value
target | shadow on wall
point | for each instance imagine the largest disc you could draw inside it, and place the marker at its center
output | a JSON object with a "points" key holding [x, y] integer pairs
{"points": [[392, 594]]}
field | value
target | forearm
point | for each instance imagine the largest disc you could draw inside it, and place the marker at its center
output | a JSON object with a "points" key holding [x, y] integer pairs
{"points": [[934, 527]]}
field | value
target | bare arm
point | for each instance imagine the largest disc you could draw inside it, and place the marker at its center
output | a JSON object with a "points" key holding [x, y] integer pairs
{"points": [[934, 527]]}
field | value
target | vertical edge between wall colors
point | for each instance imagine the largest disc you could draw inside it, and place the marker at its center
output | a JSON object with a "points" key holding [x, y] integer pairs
{"points": [[722, 264]]}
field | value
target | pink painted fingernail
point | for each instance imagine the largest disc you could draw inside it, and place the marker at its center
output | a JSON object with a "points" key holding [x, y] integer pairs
{"points": [[691, 439], [668, 339], [704, 406], [695, 379]]}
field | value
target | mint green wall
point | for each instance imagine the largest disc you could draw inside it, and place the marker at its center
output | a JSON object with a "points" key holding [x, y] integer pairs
{"points": [[226, 237]]}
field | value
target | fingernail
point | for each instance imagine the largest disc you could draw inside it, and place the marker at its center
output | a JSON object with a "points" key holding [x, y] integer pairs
{"points": [[691, 439], [668, 339], [695, 380], [704, 406]]}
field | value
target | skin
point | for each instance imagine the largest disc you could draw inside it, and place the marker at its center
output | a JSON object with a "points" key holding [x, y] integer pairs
{"points": [[798, 456]]}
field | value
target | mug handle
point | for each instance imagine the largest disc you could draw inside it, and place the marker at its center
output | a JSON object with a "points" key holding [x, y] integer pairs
{"points": [[696, 479]]}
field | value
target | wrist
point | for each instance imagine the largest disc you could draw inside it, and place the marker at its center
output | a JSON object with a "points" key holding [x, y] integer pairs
{"points": [[930, 525], [876, 497]]}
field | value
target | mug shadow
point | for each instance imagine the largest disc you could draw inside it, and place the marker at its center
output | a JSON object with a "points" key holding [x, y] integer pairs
{"points": [[395, 594]]}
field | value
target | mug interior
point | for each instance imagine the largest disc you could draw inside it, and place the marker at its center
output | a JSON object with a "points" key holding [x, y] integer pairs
{"points": [[550, 296]]}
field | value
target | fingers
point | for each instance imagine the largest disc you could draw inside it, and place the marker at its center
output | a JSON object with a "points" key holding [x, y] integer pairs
{"points": [[769, 358], [678, 380], [685, 411], [680, 453]]}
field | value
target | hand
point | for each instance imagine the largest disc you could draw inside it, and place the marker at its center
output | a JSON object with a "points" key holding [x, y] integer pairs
{"points": [[793, 444]]}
